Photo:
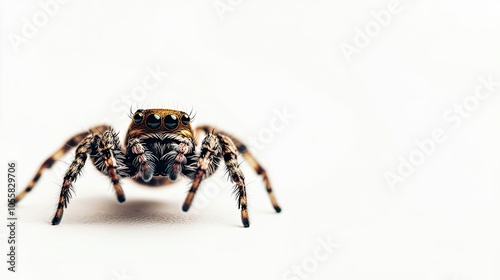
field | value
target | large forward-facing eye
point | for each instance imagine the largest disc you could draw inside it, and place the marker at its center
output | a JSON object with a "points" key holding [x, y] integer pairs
{"points": [[153, 121], [185, 119], [171, 121], [138, 117]]}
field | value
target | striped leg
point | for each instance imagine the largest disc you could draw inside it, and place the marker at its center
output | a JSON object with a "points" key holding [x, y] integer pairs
{"points": [[82, 152], [71, 143], [114, 169], [261, 171], [229, 153], [207, 164], [252, 161]]}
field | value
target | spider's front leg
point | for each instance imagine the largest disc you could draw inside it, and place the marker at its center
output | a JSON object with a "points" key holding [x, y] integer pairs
{"points": [[106, 156], [82, 152], [110, 160], [213, 148], [207, 164]]}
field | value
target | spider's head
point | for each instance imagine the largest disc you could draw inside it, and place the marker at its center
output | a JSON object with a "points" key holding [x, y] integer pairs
{"points": [[160, 123]]}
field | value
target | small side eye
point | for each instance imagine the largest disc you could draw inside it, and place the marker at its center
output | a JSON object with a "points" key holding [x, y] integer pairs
{"points": [[138, 117], [185, 119], [171, 121], [153, 121]]}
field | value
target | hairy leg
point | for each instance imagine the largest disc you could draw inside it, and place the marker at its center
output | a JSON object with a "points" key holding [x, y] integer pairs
{"points": [[207, 164], [110, 160], [214, 147], [229, 153], [82, 152], [68, 145], [250, 159]]}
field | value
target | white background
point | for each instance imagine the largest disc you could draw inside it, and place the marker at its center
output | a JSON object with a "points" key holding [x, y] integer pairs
{"points": [[352, 123]]}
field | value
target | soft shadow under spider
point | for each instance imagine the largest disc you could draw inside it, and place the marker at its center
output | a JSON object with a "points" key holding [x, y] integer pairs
{"points": [[140, 211]]}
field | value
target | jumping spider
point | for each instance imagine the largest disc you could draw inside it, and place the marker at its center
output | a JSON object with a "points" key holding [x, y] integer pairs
{"points": [[160, 146]]}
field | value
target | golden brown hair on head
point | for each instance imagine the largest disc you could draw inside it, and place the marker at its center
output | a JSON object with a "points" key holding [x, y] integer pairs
{"points": [[160, 120]]}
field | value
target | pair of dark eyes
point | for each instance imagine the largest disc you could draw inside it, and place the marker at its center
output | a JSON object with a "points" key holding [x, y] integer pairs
{"points": [[154, 121]]}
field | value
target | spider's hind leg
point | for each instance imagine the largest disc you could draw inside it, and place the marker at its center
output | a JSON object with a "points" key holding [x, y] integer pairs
{"points": [[250, 159], [71, 143], [213, 148], [262, 172]]}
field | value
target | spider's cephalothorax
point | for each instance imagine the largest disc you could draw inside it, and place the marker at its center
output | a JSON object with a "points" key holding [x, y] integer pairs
{"points": [[159, 147], [160, 143]]}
